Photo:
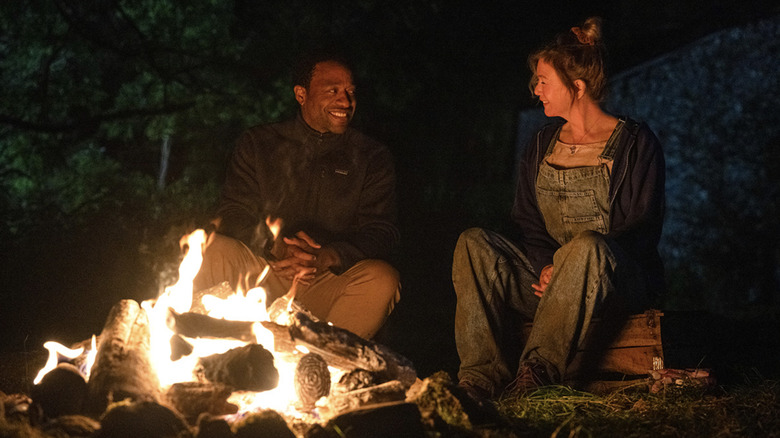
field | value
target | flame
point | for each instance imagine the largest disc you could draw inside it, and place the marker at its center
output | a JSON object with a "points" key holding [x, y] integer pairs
{"points": [[250, 306], [274, 225], [91, 355], [55, 351]]}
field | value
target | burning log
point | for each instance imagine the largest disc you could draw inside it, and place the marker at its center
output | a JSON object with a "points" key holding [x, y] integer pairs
{"points": [[123, 366], [196, 325], [250, 367], [192, 399], [341, 348], [180, 348], [221, 290], [312, 379]]}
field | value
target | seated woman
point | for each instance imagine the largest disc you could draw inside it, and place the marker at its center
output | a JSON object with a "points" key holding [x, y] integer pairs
{"points": [[589, 209]]}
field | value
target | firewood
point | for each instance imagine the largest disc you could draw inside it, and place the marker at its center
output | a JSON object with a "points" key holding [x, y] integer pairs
{"points": [[355, 379], [192, 399], [71, 426], [62, 391], [262, 424], [180, 348], [195, 325], [392, 391], [385, 421], [213, 427], [312, 380], [343, 349], [250, 368], [221, 290], [123, 368], [142, 419]]}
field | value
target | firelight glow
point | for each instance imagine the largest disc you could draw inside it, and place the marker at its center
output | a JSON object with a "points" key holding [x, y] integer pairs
{"points": [[250, 306]]}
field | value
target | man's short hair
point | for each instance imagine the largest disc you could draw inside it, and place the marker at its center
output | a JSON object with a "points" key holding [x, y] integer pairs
{"points": [[304, 68]]}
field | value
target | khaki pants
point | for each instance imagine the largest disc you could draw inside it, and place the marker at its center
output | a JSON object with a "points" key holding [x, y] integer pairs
{"points": [[359, 300]]}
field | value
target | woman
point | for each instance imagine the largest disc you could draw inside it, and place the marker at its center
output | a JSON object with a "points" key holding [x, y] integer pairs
{"points": [[588, 208]]}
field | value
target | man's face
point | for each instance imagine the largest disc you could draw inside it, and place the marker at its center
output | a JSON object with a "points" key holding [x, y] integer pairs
{"points": [[329, 103]]}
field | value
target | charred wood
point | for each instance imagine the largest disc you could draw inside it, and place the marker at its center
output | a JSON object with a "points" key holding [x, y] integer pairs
{"points": [[71, 426], [263, 424], [312, 380], [196, 325], [392, 391], [213, 427], [62, 391], [342, 349], [180, 348], [250, 368], [355, 379], [143, 419], [192, 399]]}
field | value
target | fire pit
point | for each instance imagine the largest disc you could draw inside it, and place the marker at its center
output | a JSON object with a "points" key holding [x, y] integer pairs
{"points": [[219, 353]]}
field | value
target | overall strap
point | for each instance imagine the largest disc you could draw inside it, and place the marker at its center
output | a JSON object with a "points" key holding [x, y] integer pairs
{"points": [[629, 125]]}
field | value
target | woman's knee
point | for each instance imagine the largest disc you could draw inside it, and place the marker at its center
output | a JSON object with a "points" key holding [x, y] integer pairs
{"points": [[587, 245], [589, 240]]}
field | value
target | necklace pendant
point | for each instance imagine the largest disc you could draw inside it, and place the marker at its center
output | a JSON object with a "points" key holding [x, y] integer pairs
{"points": [[573, 149]]}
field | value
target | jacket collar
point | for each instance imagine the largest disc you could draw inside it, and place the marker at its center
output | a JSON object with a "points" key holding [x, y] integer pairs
{"points": [[318, 141]]}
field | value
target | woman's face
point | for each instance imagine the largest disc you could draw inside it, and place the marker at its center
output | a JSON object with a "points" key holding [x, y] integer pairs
{"points": [[553, 94]]}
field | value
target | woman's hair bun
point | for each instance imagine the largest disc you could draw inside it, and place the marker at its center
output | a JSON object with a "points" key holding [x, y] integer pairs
{"points": [[590, 31]]}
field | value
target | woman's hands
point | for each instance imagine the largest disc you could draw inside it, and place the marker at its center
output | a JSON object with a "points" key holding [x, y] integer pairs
{"points": [[544, 280]]}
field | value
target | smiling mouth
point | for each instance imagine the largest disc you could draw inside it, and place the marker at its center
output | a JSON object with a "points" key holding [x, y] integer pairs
{"points": [[339, 114]]}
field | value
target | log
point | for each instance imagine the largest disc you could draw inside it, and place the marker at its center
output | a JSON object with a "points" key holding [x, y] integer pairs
{"points": [[62, 391], [342, 349], [180, 348], [221, 290], [123, 367], [355, 379], [312, 380], [192, 399], [247, 368], [196, 325], [142, 419], [391, 391]]}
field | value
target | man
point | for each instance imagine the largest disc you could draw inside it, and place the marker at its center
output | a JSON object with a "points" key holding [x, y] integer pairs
{"points": [[332, 188]]}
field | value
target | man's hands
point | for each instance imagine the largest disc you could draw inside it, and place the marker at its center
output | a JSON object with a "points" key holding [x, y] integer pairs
{"points": [[300, 256], [544, 280]]}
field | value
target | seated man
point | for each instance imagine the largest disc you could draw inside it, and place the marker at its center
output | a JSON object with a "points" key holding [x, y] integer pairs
{"points": [[333, 191]]}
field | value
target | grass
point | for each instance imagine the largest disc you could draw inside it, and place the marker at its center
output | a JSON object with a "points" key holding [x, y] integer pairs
{"points": [[751, 409]]}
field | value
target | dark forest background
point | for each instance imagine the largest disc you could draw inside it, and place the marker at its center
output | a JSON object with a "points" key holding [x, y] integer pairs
{"points": [[117, 118]]}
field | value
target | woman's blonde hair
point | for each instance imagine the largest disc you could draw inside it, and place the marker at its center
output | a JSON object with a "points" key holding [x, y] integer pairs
{"points": [[577, 54]]}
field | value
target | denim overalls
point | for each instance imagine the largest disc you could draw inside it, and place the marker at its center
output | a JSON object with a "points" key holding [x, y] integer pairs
{"points": [[492, 279]]}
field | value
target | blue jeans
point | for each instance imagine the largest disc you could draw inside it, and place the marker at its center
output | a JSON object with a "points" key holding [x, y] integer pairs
{"points": [[492, 280]]}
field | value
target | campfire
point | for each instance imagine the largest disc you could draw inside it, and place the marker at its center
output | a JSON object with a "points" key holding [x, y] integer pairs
{"points": [[222, 353]]}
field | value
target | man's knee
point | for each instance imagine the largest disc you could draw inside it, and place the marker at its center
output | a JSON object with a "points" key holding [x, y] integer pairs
{"points": [[227, 259], [384, 278]]}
